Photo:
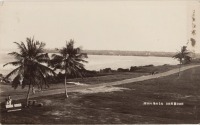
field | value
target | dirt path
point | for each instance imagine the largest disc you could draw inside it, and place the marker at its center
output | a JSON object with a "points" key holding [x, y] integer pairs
{"points": [[132, 80]]}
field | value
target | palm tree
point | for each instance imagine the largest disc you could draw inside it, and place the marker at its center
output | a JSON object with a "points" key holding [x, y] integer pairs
{"points": [[183, 57], [70, 59], [30, 62]]}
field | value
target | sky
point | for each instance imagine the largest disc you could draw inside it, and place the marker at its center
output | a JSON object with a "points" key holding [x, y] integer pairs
{"points": [[97, 25]]}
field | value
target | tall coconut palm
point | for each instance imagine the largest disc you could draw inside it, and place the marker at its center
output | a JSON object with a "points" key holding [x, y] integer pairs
{"points": [[69, 59], [183, 57], [31, 69]]}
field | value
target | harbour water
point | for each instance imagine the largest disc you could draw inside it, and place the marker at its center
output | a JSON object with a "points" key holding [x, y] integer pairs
{"points": [[97, 62]]}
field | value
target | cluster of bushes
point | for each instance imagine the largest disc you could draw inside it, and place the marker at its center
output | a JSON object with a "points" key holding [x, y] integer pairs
{"points": [[61, 76], [109, 70], [88, 73], [132, 69], [196, 61], [106, 70]]}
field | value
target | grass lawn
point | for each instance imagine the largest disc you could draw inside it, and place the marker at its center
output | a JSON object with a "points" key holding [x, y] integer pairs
{"points": [[123, 106], [115, 76], [6, 89]]}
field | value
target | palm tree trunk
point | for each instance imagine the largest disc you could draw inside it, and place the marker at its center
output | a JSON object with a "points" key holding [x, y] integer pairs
{"points": [[66, 85], [27, 97], [179, 69]]}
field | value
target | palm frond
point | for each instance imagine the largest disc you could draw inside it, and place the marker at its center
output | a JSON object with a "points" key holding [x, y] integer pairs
{"points": [[16, 82], [16, 63], [42, 75], [13, 72], [42, 58], [45, 69], [21, 47], [16, 55], [56, 61]]}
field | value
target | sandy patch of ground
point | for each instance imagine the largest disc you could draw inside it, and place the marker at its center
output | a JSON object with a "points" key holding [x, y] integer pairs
{"points": [[77, 83], [1, 91], [101, 89], [55, 113], [46, 102]]}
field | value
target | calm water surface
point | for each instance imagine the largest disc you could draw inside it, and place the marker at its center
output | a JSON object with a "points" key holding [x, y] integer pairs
{"points": [[97, 62]]}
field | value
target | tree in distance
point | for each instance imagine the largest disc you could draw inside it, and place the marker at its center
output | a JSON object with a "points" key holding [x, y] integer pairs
{"points": [[183, 57]]}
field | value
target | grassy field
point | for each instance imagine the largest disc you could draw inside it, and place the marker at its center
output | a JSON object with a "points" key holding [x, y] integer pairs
{"points": [[123, 106], [6, 88]]}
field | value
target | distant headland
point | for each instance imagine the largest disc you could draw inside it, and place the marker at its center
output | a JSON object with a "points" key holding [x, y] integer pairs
{"points": [[122, 53]]}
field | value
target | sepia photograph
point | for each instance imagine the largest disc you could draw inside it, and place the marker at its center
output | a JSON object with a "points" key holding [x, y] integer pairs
{"points": [[100, 62]]}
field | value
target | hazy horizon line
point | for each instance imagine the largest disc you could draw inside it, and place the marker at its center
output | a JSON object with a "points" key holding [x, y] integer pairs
{"points": [[51, 49]]}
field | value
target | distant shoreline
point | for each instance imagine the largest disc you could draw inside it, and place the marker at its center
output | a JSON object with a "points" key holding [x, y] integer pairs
{"points": [[122, 53]]}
